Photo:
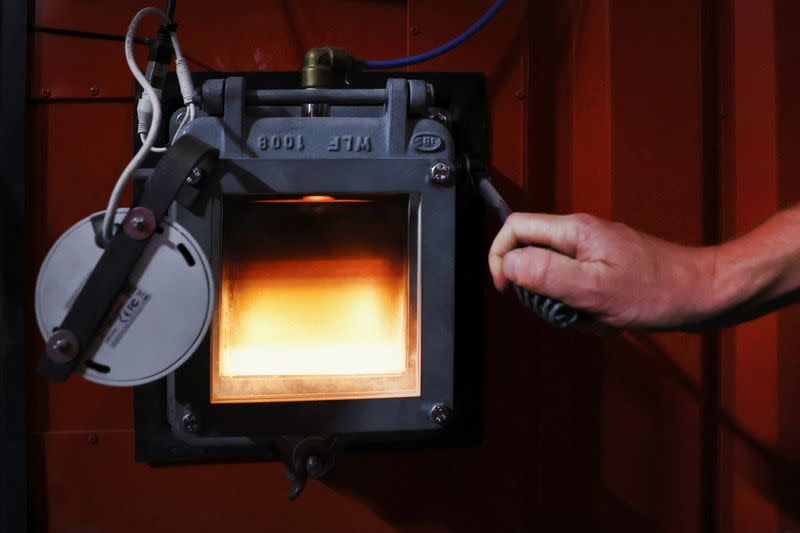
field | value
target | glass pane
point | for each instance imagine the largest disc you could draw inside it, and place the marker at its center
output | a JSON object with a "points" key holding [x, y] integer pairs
{"points": [[317, 299]]}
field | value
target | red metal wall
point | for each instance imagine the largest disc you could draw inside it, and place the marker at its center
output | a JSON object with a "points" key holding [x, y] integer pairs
{"points": [[676, 117]]}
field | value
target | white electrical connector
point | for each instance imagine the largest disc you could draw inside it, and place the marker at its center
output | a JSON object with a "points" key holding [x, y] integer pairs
{"points": [[144, 112], [148, 111], [184, 75], [186, 84]]}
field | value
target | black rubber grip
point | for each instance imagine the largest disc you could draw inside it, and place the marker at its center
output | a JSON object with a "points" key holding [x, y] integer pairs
{"points": [[553, 311]]}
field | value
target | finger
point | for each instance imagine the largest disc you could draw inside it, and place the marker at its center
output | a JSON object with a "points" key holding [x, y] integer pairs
{"points": [[549, 273], [554, 231]]}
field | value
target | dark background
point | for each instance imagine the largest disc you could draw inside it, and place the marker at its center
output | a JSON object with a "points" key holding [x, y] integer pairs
{"points": [[678, 117]]}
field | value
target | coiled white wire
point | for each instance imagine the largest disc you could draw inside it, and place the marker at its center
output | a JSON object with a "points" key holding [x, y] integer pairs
{"points": [[148, 140]]}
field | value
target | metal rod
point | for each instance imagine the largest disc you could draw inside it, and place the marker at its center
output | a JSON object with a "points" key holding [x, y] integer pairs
{"points": [[493, 198], [317, 96]]}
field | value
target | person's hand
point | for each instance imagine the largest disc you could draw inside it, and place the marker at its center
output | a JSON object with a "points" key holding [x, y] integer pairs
{"points": [[618, 276]]}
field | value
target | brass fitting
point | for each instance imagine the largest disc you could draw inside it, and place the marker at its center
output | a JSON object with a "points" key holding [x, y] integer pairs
{"points": [[320, 65]]}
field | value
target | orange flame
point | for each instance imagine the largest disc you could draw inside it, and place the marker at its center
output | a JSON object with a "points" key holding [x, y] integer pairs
{"points": [[329, 319], [298, 330]]}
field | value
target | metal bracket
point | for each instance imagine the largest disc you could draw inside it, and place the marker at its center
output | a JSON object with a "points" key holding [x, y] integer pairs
{"points": [[87, 314]]}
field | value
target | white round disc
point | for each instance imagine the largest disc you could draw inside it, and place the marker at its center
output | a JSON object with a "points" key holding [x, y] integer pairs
{"points": [[159, 319]]}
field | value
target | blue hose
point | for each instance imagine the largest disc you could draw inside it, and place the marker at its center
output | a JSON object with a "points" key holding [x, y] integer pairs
{"points": [[430, 54]]}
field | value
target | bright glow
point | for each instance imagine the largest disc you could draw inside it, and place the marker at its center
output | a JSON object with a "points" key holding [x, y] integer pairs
{"points": [[318, 198], [311, 199], [318, 301], [313, 317]]}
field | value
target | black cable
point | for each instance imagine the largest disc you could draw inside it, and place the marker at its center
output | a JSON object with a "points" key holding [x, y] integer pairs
{"points": [[171, 9], [87, 34]]}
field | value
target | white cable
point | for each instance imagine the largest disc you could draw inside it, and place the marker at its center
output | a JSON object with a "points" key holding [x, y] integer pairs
{"points": [[151, 131], [185, 83], [119, 187], [156, 149], [182, 70], [188, 116]]}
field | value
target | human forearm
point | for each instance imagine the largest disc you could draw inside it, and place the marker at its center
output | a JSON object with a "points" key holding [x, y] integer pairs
{"points": [[758, 272]]}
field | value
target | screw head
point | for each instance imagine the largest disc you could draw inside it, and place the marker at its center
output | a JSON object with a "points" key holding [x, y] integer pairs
{"points": [[440, 414], [62, 346], [190, 423], [46, 93], [139, 223], [94, 91], [441, 173], [314, 466], [438, 116], [195, 176]]}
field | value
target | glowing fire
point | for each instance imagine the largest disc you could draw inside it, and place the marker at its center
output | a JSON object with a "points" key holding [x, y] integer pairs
{"points": [[313, 317], [316, 301]]}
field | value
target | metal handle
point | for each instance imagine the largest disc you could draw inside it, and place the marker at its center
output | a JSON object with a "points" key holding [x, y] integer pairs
{"points": [[553, 311]]}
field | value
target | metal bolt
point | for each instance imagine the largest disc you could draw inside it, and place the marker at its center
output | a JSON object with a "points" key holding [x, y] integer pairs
{"points": [[94, 91], [190, 423], [46, 93], [440, 414], [521, 94], [438, 116], [62, 345], [139, 223], [415, 30], [314, 466], [441, 173], [195, 176]]}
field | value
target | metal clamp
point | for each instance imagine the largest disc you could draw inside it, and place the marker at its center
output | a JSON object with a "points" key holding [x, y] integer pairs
{"points": [[119, 258]]}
